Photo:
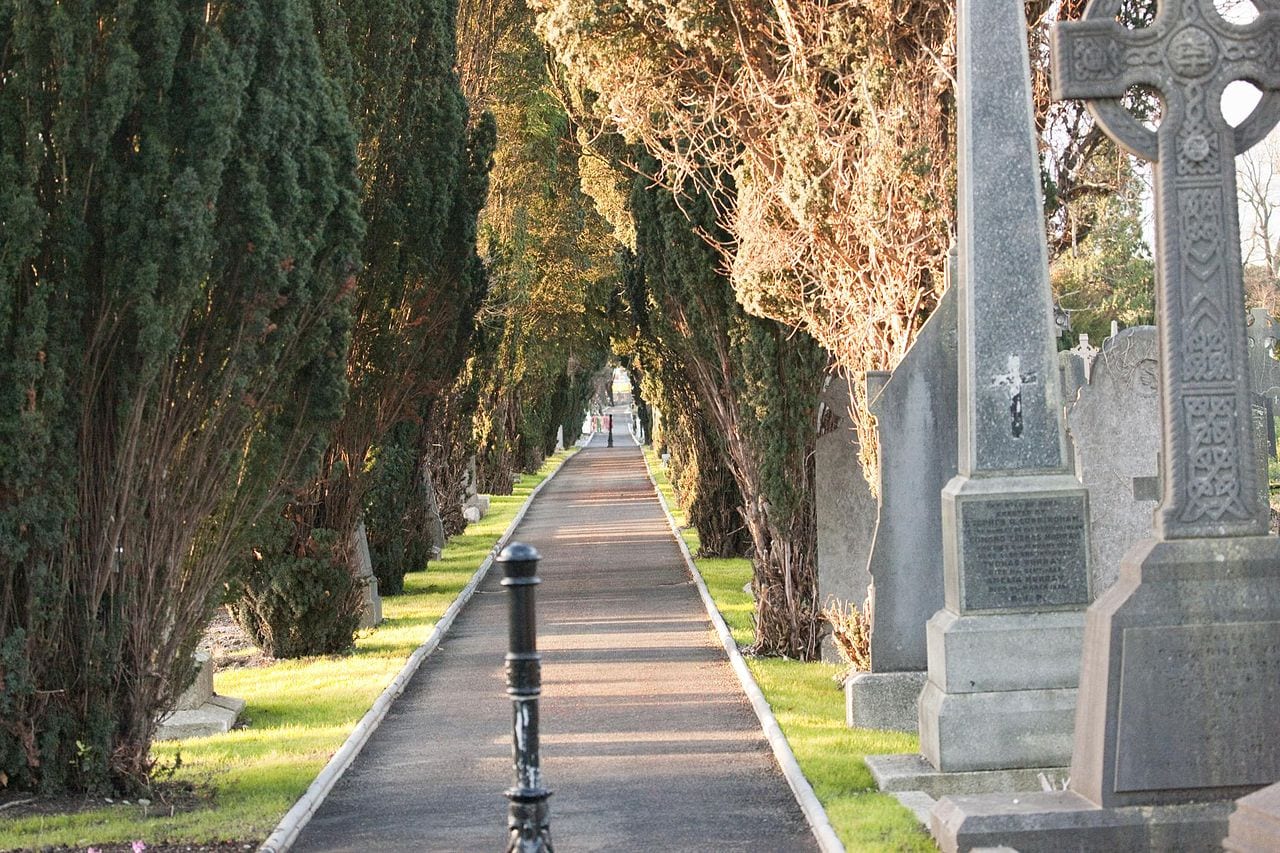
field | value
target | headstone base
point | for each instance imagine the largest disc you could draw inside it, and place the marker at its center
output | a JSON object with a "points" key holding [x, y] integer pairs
{"points": [[1181, 675], [1021, 713], [883, 700], [215, 716], [1255, 824], [899, 773], [1053, 821]]}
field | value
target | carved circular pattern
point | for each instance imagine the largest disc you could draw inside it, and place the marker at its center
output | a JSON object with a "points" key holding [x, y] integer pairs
{"points": [[1192, 52], [1196, 147]]}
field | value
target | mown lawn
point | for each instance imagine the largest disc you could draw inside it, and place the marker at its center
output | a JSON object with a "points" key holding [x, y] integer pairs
{"points": [[809, 705], [299, 713]]}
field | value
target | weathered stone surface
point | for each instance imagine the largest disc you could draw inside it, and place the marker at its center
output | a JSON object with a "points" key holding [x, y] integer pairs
{"points": [[883, 700], [1054, 821], [201, 688], [899, 773], [1114, 424], [845, 507], [915, 413], [1255, 824], [1044, 646]]}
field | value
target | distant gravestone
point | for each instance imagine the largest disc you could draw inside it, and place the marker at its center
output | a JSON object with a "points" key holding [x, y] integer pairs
{"points": [[915, 412], [844, 505], [1115, 431], [1264, 369], [371, 608], [1181, 675]]}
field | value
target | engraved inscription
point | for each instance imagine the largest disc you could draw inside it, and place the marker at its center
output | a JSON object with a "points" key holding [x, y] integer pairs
{"points": [[1024, 553], [1197, 706]]}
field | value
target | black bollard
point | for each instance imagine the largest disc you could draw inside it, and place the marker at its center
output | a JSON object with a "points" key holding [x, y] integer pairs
{"points": [[610, 417], [528, 820]]}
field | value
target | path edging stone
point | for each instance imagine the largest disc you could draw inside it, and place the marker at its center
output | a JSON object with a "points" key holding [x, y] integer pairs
{"points": [[814, 813], [292, 824]]}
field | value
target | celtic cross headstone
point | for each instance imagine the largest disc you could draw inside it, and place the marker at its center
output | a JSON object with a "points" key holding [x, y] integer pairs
{"points": [[1212, 521], [1189, 55]]}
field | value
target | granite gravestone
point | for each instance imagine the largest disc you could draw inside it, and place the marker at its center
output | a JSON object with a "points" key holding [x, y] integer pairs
{"points": [[844, 505], [1004, 651], [1114, 425], [915, 412], [1181, 674]]}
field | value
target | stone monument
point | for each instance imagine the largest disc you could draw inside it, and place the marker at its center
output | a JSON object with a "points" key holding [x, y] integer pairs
{"points": [[1004, 652], [915, 412], [844, 505], [1114, 425], [1181, 675]]}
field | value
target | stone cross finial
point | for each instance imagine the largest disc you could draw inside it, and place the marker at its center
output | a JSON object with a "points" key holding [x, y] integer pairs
{"points": [[1189, 55]]}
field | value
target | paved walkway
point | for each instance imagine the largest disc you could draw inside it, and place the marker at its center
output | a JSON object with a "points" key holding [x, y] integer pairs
{"points": [[647, 740]]}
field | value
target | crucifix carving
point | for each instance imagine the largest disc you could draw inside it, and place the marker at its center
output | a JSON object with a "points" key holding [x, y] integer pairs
{"points": [[1012, 383], [1189, 54]]}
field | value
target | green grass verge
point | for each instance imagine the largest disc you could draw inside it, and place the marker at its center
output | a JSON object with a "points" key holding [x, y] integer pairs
{"points": [[299, 713], [809, 705]]}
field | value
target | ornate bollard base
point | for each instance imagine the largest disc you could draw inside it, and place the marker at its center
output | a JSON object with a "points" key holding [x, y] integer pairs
{"points": [[529, 821]]}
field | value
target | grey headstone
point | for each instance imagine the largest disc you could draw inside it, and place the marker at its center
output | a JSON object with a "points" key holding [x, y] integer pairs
{"points": [[845, 507], [1015, 519], [915, 413], [1115, 432]]}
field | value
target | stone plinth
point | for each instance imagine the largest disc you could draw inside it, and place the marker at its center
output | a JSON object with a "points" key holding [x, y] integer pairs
{"points": [[883, 700], [1054, 821], [902, 773], [199, 712]]}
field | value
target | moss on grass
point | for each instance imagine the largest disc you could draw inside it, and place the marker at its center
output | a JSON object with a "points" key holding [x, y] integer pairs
{"points": [[299, 713], [809, 705]]}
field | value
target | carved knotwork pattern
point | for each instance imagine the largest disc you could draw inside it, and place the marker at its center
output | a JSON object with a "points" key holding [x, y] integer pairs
{"points": [[1097, 58], [1213, 481], [1208, 358], [1198, 143]]}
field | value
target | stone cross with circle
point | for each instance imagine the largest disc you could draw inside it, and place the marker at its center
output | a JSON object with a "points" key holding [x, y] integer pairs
{"points": [[1188, 55]]}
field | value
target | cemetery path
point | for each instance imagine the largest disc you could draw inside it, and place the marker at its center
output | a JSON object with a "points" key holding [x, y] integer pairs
{"points": [[648, 742]]}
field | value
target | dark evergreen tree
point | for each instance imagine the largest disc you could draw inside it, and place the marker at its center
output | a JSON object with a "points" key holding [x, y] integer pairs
{"points": [[757, 382], [178, 229], [424, 172]]}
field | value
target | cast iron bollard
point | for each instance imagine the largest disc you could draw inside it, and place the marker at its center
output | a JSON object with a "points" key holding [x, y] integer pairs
{"points": [[529, 820], [610, 418]]}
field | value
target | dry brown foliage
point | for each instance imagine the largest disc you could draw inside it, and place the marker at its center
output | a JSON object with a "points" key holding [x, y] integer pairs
{"points": [[851, 632]]}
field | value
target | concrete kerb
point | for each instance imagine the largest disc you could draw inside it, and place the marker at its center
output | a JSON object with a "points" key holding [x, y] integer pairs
{"points": [[286, 832], [814, 813]]}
